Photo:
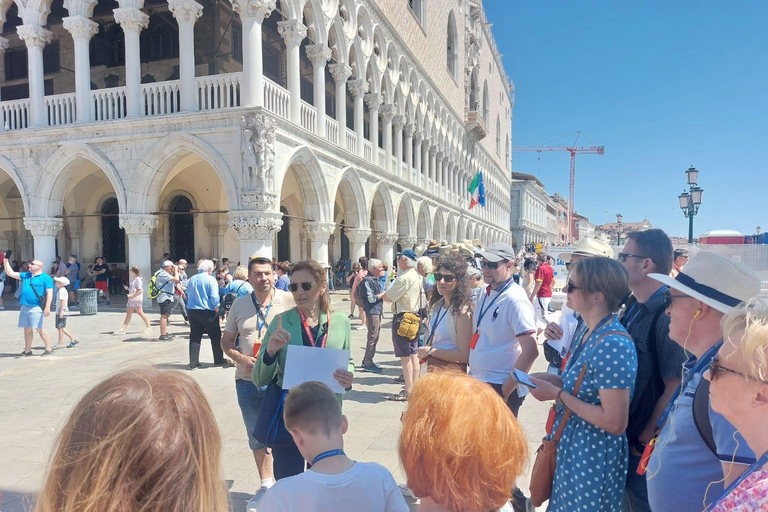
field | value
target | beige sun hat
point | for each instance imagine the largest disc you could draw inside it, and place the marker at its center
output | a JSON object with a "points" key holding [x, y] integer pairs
{"points": [[719, 282], [589, 247], [420, 249]]}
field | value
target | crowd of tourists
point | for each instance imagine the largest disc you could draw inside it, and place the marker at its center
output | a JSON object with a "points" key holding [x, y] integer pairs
{"points": [[658, 380]]}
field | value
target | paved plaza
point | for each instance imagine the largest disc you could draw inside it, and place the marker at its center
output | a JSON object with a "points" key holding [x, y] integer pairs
{"points": [[37, 395]]}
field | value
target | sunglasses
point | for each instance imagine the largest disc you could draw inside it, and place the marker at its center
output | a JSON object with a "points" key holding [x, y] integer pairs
{"points": [[492, 265], [569, 287], [669, 298], [306, 286], [715, 367], [448, 278], [624, 255]]}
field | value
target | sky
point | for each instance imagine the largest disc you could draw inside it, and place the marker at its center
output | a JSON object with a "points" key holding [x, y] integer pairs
{"points": [[663, 85]]}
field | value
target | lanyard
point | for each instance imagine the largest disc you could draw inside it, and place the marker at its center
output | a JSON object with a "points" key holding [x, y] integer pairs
{"points": [[438, 319], [509, 282], [309, 331], [576, 352], [325, 455], [762, 461], [261, 321]]}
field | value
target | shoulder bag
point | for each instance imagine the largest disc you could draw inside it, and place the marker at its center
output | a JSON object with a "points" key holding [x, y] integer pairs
{"points": [[40, 299], [543, 472]]}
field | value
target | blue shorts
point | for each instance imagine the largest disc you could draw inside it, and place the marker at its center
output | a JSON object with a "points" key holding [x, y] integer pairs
{"points": [[249, 398], [31, 317]]}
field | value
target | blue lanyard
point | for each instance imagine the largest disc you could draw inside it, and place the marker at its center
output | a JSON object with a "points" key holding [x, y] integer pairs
{"points": [[583, 342], [261, 318], [701, 364], [438, 319], [762, 461], [509, 282], [325, 455]]}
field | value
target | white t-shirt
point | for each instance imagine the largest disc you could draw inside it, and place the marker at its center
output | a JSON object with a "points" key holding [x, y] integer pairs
{"points": [[497, 348], [445, 332], [62, 294], [365, 487]]}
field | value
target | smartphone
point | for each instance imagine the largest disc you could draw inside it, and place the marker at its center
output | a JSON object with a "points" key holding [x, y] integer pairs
{"points": [[523, 378], [8, 254]]}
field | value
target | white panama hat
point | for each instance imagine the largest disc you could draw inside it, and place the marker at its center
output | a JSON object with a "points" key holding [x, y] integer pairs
{"points": [[719, 282], [589, 247]]}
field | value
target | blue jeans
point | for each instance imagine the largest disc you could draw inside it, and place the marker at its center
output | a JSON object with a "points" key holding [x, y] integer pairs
{"points": [[249, 398], [636, 492]]}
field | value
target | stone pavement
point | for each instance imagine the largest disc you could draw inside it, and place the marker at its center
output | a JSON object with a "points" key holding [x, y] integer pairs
{"points": [[37, 395]]}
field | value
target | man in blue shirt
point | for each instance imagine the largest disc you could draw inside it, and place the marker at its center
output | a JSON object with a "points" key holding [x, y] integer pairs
{"points": [[35, 285], [203, 309], [373, 306], [684, 474]]}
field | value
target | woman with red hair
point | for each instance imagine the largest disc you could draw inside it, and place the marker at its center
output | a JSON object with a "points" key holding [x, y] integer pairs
{"points": [[461, 448]]}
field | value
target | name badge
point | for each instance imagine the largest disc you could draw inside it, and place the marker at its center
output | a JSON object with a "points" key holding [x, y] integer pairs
{"points": [[643, 466]]}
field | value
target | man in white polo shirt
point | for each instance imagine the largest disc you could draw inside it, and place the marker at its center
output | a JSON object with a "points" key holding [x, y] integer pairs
{"points": [[504, 326]]}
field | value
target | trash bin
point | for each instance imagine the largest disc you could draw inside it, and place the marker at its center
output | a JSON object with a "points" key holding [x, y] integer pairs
{"points": [[88, 299]]}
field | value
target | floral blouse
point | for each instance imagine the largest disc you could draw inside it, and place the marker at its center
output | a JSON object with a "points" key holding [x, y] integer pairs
{"points": [[749, 496]]}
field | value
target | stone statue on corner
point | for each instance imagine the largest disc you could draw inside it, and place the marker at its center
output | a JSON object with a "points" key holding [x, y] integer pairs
{"points": [[258, 153]]}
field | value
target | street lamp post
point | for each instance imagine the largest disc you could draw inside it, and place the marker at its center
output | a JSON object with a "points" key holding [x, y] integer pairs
{"points": [[690, 200], [619, 221]]}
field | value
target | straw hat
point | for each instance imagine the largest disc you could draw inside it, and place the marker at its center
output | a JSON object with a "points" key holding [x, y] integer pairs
{"points": [[589, 247]]}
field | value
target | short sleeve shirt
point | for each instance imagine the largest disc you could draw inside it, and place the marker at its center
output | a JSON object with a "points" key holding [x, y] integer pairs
{"points": [[41, 282], [164, 284], [104, 276], [497, 348], [243, 320], [546, 275], [406, 292], [62, 295]]}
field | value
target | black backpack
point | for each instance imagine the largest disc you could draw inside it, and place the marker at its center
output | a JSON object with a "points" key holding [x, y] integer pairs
{"points": [[230, 297]]}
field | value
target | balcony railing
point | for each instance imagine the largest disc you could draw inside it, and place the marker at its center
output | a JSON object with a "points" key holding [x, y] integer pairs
{"points": [[108, 104], [368, 151], [332, 130], [161, 98], [60, 109], [14, 114], [351, 140], [308, 115], [276, 98], [219, 91]]}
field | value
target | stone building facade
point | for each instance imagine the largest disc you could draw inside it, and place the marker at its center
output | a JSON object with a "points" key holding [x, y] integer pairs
{"points": [[529, 217], [292, 129]]}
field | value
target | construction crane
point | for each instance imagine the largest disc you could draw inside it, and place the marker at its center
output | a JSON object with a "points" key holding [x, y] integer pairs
{"points": [[572, 149]]}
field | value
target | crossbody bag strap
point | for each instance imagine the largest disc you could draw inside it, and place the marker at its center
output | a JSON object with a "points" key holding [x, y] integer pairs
{"points": [[576, 388]]}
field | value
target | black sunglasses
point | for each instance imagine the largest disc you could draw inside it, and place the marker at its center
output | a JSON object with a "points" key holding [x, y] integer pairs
{"points": [[624, 255], [492, 265], [306, 286], [448, 278], [569, 287], [669, 298], [715, 367]]}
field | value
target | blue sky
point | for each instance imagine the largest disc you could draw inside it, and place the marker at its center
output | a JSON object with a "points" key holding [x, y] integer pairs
{"points": [[662, 85]]}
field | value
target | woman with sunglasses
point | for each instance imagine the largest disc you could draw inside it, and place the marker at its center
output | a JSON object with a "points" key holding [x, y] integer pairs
{"points": [[311, 324], [596, 387], [450, 319], [738, 390]]}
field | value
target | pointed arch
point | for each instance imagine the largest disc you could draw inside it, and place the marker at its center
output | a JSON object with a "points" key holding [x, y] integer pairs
{"points": [[452, 47], [438, 225], [11, 170], [382, 205], [406, 216], [348, 184], [450, 229], [318, 203], [423, 221]]}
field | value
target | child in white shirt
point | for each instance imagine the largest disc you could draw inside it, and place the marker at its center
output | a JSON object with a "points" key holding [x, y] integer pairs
{"points": [[334, 481], [62, 309]]}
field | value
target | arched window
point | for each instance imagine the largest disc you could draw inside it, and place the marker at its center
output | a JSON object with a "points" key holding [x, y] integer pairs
{"points": [[498, 135], [182, 229], [452, 47], [284, 237], [418, 9], [474, 99], [486, 100], [112, 235], [507, 153]]}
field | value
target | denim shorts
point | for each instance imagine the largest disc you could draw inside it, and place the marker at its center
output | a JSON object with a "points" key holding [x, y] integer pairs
{"points": [[249, 398], [31, 317]]}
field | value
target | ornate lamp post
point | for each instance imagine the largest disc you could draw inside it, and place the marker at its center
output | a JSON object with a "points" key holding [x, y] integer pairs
{"points": [[690, 200], [619, 222]]}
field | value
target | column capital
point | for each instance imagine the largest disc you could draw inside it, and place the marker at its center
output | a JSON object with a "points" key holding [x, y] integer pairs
{"points": [[358, 87], [388, 111], [258, 9], [399, 122], [138, 224], [292, 31], [185, 11], [318, 54], [319, 231], [80, 27], [387, 238], [253, 225], [3, 45], [407, 242], [34, 36], [340, 72], [131, 18], [433, 149], [417, 136], [43, 226], [374, 100], [358, 236], [218, 230]]}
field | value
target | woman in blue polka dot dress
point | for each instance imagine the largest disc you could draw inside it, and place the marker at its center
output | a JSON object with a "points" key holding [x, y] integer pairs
{"points": [[592, 452]]}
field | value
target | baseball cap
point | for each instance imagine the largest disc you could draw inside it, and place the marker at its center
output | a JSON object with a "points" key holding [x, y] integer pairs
{"points": [[408, 253], [63, 280], [167, 263], [474, 272], [497, 252]]}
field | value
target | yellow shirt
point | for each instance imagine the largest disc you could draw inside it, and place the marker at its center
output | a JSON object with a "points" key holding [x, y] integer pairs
{"points": [[406, 292]]}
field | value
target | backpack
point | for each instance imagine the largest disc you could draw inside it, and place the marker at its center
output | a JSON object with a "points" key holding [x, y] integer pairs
{"points": [[153, 291], [230, 297]]}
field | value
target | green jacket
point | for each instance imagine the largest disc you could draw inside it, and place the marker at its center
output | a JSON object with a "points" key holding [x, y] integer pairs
{"points": [[339, 338]]}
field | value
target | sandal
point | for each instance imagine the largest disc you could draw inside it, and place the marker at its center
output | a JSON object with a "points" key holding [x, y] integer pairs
{"points": [[400, 397], [400, 379], [72, 343]]}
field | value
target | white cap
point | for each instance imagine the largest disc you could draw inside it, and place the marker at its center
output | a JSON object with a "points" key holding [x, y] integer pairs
{"points": [[167, 263]]}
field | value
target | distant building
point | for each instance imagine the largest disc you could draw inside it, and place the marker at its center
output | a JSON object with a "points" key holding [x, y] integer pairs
{"points": [[528, 217], [582, 227], [722, 237], [562, 217], [611, 228]]}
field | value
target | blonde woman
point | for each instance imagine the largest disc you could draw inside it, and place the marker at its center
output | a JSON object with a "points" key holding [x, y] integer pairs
{"points": [[134, 304], [142, 440]]}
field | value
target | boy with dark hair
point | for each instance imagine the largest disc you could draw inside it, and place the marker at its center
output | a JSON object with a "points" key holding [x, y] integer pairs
{"points": [[334, 482]]}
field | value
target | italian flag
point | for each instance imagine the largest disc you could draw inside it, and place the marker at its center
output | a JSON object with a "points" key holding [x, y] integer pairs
{"points": [[477, 191]]}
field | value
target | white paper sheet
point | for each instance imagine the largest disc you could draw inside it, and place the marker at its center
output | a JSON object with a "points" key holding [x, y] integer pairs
{"points": [[568, 324], [303, 364]]}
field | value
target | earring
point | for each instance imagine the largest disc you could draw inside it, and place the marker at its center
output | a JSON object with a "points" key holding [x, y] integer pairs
{"points": [[754, 404]]}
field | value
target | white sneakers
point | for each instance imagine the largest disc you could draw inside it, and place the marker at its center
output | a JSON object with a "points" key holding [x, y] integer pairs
{"points": [[253, 504]]}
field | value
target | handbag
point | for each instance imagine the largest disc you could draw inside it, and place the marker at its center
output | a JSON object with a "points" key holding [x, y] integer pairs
{"points": [[40, 299], [543, 472], [433, 362], [270, 427], [409, 326]]}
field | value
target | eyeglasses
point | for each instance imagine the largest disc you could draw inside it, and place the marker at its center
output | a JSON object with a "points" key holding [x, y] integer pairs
{"points": [[624, 255], [715, 367], [306, 286], [492, 265], [669, 298], [569, 287], [448, 278]]}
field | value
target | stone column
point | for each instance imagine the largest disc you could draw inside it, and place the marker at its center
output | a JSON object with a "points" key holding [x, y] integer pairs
{"points": [[358, 88], [133, 22], [319, 54], [256, 231], [432, 169], [138, 228], [186, 13], [35, 38], [293, 32], [3, 46], [425, 162], [387, 115], [44, 231], [439, 166], [218, 232], [252, 14], [82, 30], [407, 242], [357, 239], [387, 247], [373, 99], [318, 234], [417, 137], [398, 122], [341, 73], [409, 130]]}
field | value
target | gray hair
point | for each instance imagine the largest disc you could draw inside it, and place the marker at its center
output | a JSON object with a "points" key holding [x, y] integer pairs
{"points": [[409, 263], [426, 264], [205, 265], [373, 262]]}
